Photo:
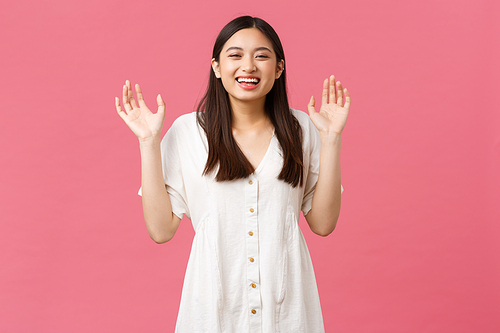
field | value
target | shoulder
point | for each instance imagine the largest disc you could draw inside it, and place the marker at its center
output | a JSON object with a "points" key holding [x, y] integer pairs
{"points": [[310, 134], [184, 122], [301, 116], [185, 135], [184, 126], [304, 121], [181, 128]]}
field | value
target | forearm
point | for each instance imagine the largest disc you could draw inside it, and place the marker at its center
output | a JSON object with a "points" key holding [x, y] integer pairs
{"points": [[323, 216], [157, 209]]}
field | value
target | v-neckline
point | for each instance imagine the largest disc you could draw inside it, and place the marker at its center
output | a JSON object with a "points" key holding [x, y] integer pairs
{"points": [[268, 151]]}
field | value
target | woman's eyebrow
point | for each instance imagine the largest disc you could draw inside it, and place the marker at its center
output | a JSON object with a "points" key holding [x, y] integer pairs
{"points": [[261, 48], [234, 48]]}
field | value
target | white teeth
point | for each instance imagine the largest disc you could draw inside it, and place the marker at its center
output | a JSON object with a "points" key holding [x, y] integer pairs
{"points": [[253, 80]]}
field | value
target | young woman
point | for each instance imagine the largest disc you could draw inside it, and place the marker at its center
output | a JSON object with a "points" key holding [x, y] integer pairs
{"points": [[242, 168]]}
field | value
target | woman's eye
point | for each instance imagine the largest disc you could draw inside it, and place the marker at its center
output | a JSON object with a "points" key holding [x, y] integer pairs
{"points": [[234, 55], [262, 56]]}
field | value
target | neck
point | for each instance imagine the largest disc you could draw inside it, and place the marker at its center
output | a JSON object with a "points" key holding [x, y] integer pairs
{"points": [[247, 115]]}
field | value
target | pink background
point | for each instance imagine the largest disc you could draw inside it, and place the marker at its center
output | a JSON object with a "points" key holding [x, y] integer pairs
{"points": [[417, 245]]}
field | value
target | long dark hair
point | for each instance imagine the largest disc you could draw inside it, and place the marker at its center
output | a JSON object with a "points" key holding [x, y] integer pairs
{"points": [[214, 116]]}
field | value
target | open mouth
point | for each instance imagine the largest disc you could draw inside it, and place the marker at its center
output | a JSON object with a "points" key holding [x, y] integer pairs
{"points": [[248, 81]]}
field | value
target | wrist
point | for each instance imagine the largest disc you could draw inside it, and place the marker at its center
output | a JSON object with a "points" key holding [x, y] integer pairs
{"points": [[330, 138], [152, 141]]}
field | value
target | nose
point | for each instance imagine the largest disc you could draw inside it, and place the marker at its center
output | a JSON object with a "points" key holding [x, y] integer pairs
{"points": [[248, 65]]}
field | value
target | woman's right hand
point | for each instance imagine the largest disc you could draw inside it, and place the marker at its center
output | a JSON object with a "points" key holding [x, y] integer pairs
{"points": [[145, 124]]}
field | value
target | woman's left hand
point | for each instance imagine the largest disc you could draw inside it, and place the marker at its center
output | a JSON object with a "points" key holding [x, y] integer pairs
{"points": [[335, 103]]}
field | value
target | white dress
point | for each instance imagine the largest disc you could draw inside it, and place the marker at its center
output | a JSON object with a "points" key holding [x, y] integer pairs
{"points": [[249, 269]]}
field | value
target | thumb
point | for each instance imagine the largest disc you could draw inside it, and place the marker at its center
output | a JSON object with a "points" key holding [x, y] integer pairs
{"points": [[161, 104], [310, 106]]}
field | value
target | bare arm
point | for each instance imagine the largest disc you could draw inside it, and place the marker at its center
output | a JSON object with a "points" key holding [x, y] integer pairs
{"points": [[330, 121], [160, 221]]}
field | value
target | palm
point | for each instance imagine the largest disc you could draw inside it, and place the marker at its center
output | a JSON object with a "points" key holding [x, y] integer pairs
{"points": [[143, 122], [138, 117], [332, 115]]}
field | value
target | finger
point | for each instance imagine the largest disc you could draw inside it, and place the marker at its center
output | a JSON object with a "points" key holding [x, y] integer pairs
{"points": [[119, 108], [333, 96], [347, 99], [126, 102], [131, 95], [340, 94], [161, 105], [324, 95], [310, 106], [140, 98]]}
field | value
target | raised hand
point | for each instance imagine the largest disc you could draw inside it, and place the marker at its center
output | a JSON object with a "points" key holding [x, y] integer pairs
{"points": [[145, 124], [335, 103]]}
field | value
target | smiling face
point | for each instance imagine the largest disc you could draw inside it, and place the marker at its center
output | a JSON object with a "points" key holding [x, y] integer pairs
{"points": [[247, 66]]}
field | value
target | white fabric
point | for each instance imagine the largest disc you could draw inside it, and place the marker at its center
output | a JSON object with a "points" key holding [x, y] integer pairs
{"points": [[230, 271]]}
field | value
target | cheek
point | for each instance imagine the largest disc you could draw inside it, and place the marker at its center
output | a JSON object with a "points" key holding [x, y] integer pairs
{"points": [[269, 86], [226, 80], [227, 73], [271, 72]]}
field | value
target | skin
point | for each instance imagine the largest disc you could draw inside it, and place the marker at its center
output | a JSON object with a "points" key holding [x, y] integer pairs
{"points": [[157, 209], [247, 53], [330, 122]]}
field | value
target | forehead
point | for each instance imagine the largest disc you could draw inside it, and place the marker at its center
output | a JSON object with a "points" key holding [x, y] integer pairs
{"points": [[248, 39]]}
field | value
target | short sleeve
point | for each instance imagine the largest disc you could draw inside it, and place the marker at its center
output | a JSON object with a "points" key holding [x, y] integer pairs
{"points": [[312, 147], [172, 173]]}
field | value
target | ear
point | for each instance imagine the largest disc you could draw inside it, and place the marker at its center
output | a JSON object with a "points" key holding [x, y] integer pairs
{"points": [[280, 68], [215, 68]]}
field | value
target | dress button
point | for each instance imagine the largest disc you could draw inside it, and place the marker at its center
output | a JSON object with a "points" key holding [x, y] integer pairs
{"points": [[251, 259], [250, 182], [251, 210], [250, 233], [253, 285], [254, 311]]}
